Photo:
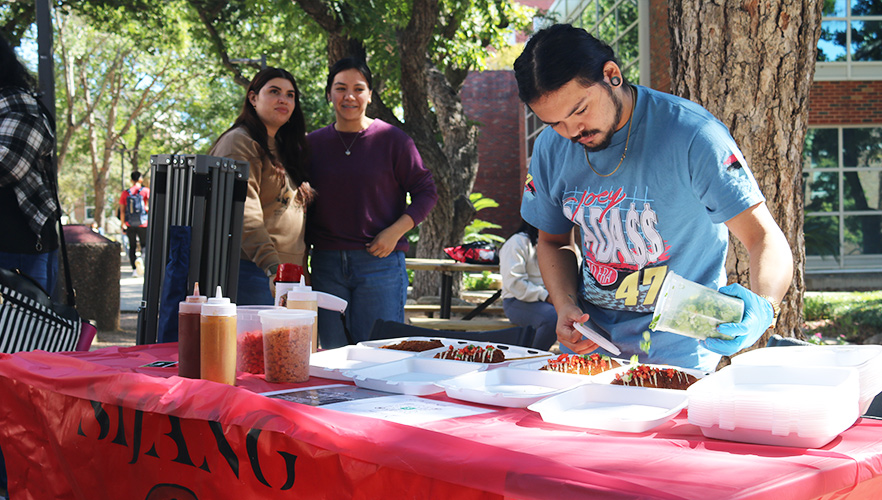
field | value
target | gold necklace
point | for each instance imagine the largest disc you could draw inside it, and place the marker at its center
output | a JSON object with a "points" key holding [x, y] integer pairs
{"points": [[627, 138]]}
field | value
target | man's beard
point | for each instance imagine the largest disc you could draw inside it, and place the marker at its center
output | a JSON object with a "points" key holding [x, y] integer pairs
{"points": [[608, 134]]}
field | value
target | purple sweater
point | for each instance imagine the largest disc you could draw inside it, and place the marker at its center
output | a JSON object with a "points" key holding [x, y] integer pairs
{"points": [[362, 194]]}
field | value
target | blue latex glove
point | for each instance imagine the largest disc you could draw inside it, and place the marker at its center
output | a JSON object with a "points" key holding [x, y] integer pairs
{"points": [[758, 316]]}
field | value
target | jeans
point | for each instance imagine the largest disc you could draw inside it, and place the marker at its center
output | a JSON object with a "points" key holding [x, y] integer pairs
{"points": [[41, 267], [375, 289], [254, 289], [135, 235], [539, 315]]}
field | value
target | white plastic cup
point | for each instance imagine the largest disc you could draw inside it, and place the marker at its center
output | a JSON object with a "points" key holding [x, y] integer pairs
{"points": [[286, 344], [304, 298], [687, 308]]}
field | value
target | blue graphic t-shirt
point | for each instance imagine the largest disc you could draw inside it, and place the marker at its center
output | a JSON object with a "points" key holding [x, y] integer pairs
{"points": [[663, 210]]}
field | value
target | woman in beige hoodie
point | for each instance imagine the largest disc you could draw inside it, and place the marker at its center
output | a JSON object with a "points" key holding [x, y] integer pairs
{"points": [[270, 134]]}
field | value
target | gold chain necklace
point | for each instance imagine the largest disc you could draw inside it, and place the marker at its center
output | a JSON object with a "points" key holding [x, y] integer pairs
{"points": [[627, 138]]}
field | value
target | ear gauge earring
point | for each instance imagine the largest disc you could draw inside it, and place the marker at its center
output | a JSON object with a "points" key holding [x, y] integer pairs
{"points": [[615, 81]]}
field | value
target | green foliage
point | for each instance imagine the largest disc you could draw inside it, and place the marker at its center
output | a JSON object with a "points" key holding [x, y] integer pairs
{"points": [[484, 281], [475, 230], [855, 315]]}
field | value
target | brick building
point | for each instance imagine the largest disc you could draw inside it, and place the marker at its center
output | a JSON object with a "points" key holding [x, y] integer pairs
{"points": [[843, 156]]}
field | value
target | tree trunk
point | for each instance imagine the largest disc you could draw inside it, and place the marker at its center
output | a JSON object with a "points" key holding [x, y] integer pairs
{"points": [[751, 64]]}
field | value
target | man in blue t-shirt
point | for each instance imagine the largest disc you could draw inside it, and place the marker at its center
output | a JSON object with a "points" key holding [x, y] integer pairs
{"points": [[655, 183]]}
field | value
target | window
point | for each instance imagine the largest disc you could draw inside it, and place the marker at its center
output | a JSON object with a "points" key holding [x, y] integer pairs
{"points": [[842, 184], [616, 22], [851, 41]]}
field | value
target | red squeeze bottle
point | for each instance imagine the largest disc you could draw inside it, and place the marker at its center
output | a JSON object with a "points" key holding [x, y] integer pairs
{"points": [[189, 334], [287, 277]]}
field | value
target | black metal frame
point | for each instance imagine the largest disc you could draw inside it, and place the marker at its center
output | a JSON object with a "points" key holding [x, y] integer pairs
{"points": [[206, 193]]}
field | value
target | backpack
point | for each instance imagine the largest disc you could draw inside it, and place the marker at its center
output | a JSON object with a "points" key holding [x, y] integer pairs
{"points": [[135, 213]]}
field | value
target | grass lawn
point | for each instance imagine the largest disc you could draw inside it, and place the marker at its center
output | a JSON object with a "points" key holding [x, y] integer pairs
{"points": [[852, 317]]}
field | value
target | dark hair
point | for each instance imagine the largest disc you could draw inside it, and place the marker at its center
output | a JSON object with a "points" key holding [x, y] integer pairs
{"points": [[529, 230], [291, 144], [14, 73], [556, 55], [345, 64], [136, 176]]}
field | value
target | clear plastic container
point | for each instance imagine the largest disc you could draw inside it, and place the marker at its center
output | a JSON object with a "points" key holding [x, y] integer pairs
{"points": [[687, 308], [866, 359], [286, 344], [804, 407], [249, 339]]}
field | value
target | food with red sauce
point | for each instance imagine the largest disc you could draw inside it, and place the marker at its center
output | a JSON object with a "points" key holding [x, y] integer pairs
{"points": [[474, 353], [657, 377], [581, 364]]}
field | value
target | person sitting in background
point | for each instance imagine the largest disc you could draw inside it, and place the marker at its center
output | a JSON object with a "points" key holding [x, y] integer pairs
{"points": [[270, 134], [524, 297]]}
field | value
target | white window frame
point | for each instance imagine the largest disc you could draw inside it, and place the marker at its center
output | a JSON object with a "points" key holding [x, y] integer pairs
{"points": [[848, 69], [842, 262]]}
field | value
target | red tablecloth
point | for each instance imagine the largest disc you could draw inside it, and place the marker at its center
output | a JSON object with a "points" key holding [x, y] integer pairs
{"points": [[96, 425]]}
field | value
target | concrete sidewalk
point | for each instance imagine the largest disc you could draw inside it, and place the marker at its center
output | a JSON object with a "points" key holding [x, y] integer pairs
{"points": [[130, 290]]}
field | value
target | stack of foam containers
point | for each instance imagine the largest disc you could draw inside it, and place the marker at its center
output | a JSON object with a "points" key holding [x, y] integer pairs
{"points": [[866, 359], [803, 407]]}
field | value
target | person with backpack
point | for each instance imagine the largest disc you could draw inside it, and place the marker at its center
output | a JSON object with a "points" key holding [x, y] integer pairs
{"points": [[133, 208]]}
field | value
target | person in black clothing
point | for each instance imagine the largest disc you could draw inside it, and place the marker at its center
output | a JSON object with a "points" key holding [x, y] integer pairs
{"points": [[133, 208], [27, 179]]}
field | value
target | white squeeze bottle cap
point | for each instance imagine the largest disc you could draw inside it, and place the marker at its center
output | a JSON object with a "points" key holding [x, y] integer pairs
{"points": [[218, 305], [193, 303]]}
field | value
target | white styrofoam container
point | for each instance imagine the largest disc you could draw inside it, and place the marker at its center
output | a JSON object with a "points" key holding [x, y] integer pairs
{"points": [[334, 362], [867, 359], [510, 351], [611, 407], [508, 386], [803, 407], [412, 376]]}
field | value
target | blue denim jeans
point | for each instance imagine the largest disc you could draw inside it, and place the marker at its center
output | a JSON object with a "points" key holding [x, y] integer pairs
{"points": [[253, 289], [540, 315], [41, 267], [375, 289]]}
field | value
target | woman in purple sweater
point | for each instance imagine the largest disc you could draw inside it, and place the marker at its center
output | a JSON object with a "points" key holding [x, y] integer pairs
{"points": [[362, 169]]}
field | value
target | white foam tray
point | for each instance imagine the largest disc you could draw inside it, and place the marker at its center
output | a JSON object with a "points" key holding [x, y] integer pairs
{"points": [[611, 407], [513, 353], [537, 364], [333, 363], [804, 407], [510, 351], [413, 376], [508, 386], [867, 359]]}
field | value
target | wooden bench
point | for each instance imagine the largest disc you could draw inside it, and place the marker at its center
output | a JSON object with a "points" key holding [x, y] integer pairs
{"points": [[431, 310], [472, 325]]}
